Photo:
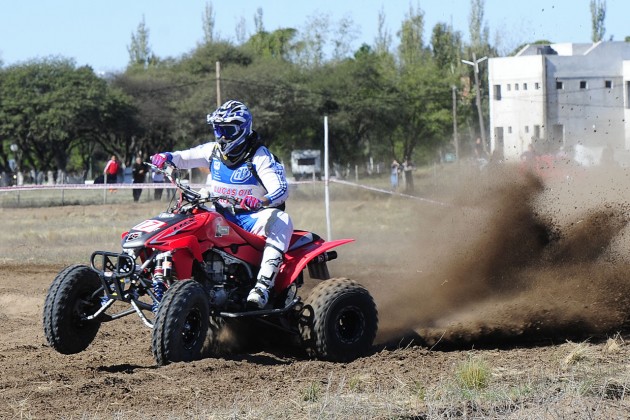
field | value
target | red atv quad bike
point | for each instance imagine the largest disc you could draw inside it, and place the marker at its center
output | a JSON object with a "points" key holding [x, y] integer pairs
{"points": [[187, 272]]}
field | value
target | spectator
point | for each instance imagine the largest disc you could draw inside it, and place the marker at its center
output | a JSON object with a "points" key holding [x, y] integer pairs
{"points": [[480, 152], [138, 173], [408, 172], [395, 170], [111, 170], [110, 173]]}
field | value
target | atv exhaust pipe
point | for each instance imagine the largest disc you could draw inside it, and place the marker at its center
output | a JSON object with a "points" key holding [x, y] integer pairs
{"points": [[326, 256], [317, 268]]}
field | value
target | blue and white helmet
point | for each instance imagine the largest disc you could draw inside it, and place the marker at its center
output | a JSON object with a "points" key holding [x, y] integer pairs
{"points": [[232, 123]]}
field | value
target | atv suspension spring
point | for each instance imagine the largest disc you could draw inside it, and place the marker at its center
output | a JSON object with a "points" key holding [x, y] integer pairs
{"points": [[161, 273], [158, 290]]}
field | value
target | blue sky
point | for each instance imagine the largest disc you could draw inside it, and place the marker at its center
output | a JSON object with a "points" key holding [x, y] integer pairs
{"points": [[97, 33]]}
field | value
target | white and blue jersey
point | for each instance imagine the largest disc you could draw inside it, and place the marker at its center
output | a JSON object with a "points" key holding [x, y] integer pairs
{"points": [[239, 181]]}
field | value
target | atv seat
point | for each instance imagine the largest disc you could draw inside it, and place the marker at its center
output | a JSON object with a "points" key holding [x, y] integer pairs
{"points": [[298, 238], [301, 238]]}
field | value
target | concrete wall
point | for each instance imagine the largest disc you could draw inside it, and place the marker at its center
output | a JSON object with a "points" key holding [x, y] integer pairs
{"points": [[521, 107], [582, 100]]}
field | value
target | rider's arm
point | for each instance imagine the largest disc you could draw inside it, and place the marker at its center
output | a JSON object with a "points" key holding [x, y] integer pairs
{"points": [[197, 157], [272, 175]]}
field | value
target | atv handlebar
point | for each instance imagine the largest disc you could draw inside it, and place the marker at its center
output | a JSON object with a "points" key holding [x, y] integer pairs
{"points": [[194, 198]]}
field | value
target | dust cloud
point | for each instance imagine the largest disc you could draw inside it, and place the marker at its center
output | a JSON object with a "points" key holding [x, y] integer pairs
{"points": [[518, 258]]}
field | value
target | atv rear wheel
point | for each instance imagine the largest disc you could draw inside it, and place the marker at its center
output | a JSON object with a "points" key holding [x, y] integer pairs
{"points": [[181, 324], [339, 321], [72, 296]]}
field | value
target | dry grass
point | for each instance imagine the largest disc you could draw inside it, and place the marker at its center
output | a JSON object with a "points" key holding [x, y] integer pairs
{"points": [[473, 375], [570, 380]]}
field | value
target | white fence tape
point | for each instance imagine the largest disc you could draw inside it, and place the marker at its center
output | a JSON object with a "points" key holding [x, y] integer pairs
{"points": [[413, 197], [149, 186], [91, 187]]}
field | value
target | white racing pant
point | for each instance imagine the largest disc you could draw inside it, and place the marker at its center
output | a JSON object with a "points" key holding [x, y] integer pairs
{"points": [[276, 226]]}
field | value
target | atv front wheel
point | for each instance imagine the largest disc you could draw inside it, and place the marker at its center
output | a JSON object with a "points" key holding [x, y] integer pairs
{"points": [[339, 321], [72, 297], [181, 324]]}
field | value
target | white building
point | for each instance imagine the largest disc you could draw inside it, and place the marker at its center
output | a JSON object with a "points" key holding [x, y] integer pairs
{"points": [[569, 97]]}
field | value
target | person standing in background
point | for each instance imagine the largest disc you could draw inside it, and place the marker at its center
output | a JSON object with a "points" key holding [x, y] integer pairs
{"points": [[110, 173], [139, 174], [395, 171], [111, 170]]}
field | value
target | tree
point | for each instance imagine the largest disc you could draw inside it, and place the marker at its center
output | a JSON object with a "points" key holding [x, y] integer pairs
{"points": [[380, 103], [598, 15], [208, 21], [311, 45], [201, 61], [345, 33], [411, 48], [479, 33], [155, 93], [277, 44], [426, 119], [140, 54], [446, 47], [480, 47], [383, 40], [240, 30], [48, 107]]}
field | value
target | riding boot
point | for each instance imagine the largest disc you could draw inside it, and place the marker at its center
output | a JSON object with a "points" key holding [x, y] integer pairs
{"points": [[271, 260]]}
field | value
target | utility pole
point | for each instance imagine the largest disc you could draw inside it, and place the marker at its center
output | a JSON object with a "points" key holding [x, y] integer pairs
{"points": [[475, 64]]}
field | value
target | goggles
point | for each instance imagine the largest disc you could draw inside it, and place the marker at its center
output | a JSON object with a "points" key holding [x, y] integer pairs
{"points": [[226, 131]]}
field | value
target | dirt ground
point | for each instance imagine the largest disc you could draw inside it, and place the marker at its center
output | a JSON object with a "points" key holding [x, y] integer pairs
{"points": [[529, 279]]}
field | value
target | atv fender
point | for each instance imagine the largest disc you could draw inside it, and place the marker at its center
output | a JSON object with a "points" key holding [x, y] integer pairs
{"points": [[296, 260], [183, 260]]}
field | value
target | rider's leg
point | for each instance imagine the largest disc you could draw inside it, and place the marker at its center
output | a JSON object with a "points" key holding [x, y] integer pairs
{"points": [[277, 227], [271, 260]]}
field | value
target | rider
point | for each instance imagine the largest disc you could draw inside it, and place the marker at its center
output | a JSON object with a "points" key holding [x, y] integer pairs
{"points": [[241, 166]]}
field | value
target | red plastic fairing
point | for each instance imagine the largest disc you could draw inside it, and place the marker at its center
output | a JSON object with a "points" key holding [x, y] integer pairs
{"points": [[295, 261], [182, 261]]}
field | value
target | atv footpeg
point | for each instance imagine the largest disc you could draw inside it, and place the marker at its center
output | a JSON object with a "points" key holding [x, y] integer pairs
{"points": [[261, 312]]}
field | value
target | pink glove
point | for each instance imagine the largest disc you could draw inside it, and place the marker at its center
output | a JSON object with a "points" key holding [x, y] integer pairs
{"points": [[160, 159], [251, 203]]}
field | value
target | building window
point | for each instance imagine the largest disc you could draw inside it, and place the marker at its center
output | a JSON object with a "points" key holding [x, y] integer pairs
{"points": [[509, 87], [510, 130], [527, 128], [537, 131], [524, 86], [628, 95], [559, 85], [515, 86], [583, 84], [536, 85], [497, 92], [608, 84]]}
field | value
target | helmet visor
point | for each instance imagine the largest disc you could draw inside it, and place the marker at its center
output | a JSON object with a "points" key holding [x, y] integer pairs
{"points": [[226, 131]]}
